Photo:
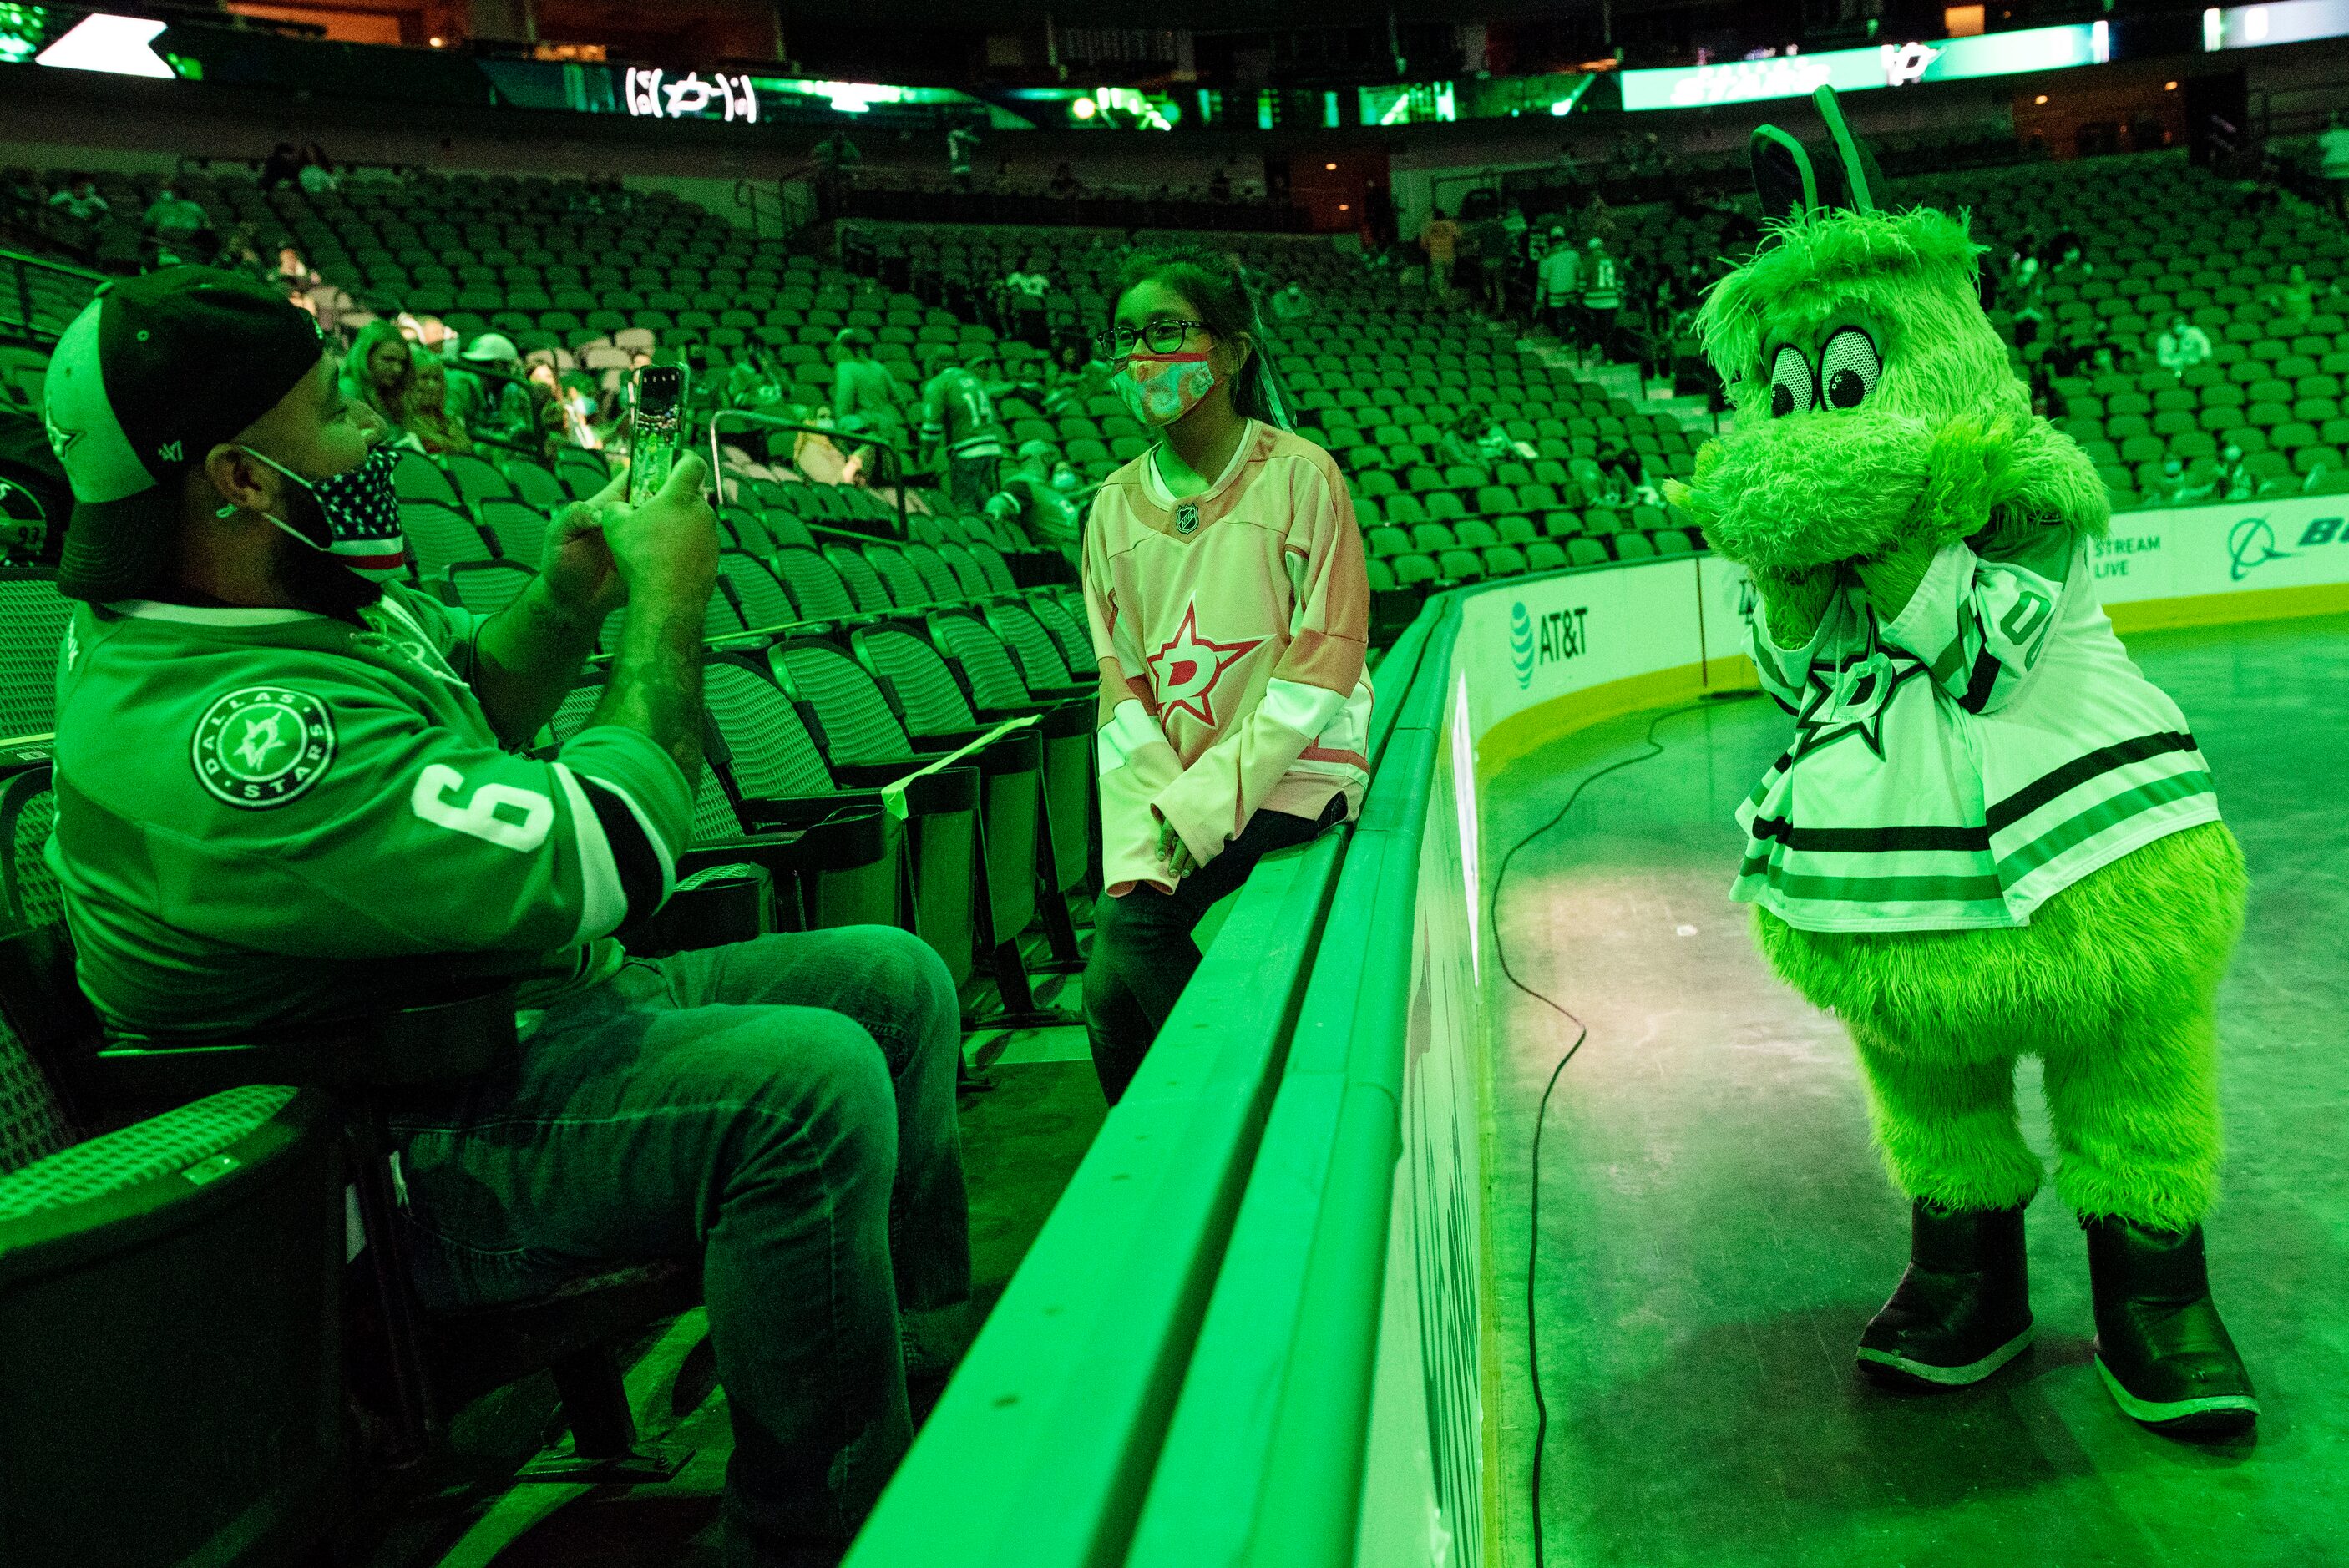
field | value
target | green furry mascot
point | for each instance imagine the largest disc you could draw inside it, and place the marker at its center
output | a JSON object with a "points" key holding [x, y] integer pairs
{"points": [[1990, 836]]}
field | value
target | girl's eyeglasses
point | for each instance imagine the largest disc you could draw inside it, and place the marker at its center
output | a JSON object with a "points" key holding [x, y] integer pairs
{"points": [[1164, 336]]}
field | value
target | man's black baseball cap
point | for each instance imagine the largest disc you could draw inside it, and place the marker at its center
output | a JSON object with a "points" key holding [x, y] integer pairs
{"points": [[154, 373]]}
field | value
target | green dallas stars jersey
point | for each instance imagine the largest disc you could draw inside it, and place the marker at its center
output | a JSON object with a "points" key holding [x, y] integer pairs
{"points": [[1958, 766], [268, 815]]}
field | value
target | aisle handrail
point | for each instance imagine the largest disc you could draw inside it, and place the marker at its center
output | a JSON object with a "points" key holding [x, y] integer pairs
{"points": [[1041, 1450], [1312, 1494]]}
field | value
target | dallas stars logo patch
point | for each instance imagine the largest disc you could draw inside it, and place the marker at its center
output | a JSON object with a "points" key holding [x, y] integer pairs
{"points": [[261, 745], [1186, 667], [1852, 698]]}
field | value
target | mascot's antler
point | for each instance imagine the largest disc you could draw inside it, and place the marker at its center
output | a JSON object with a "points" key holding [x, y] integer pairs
{"points": [[1791, 185]]}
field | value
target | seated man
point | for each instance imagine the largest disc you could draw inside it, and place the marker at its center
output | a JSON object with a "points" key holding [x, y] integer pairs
{"points": [[1042, 508], [289, 788]]}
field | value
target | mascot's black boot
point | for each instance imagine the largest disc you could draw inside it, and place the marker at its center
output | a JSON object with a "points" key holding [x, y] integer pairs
{"points": [[1964, 1309], [2162, 1350]]}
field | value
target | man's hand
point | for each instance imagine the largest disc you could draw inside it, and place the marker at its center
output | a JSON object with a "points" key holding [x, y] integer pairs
{"points": [[576, 560], [667, 548], [1175, 852], [665, 551]]}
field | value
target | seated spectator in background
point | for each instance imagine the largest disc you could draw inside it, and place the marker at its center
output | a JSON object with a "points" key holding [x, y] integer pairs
{"points": [[1464, 442], [819, 456], [295, 274], [1621, 471], [1290, 307], [1044, 512], [427, 414], [1074, 380], [2179, 487], [282, 166], [1065, 184], [380, 373], [2023, 290], [2072, 264], [494, 402], [862, 386], [80, 200], [2183, 345], [1029, 376], [1478, 440], [1219, 183], [740, 382], [317, 176], [567, 415], [172, 218], [2294, 298], [240, 252], [2235, 481]]}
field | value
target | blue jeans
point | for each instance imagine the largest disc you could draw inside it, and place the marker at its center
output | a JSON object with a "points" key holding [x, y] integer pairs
{"points": [[783, 1109]]}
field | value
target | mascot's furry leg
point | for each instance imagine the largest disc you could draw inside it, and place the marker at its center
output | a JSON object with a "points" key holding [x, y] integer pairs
{"points": [[1951, 1137], [2114, 984]]}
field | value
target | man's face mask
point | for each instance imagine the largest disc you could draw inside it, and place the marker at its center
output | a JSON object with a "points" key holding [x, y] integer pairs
{"points": [[1160, 389], [356, 512], [1065, 480]]}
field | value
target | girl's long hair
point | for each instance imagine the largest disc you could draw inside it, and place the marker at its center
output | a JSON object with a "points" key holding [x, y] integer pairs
{"points": [[1223, 301]]}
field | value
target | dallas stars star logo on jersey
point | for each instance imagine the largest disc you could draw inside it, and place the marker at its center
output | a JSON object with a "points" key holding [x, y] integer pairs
{"points": [[1186, 667], [261, 745], [1853, 699]]}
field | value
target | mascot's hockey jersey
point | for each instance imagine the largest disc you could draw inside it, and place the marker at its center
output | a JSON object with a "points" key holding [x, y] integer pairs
{"points": [[1230, 627], [1963, 764]]}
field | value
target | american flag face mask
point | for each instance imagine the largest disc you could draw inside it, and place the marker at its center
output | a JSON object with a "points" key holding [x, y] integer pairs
{"points": [[362, 512]]}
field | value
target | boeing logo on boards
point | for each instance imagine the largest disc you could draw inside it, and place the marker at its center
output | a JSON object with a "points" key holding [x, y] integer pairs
{"points": [[2251, 543], [1551, 638]]}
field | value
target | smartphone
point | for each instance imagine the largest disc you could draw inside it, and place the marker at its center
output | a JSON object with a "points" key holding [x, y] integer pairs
{"points": [[656, 396]]}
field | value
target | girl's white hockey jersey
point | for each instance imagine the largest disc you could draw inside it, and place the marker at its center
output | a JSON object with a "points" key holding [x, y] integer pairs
{"points": [[1231, 628]]}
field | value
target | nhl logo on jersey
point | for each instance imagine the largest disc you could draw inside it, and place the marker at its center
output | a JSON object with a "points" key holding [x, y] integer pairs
{"points": [[1186, 519], [261, 745]]}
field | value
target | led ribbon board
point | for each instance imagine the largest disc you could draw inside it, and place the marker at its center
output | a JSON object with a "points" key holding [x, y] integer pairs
{"points": [[1881, 65], [2289, 22]]}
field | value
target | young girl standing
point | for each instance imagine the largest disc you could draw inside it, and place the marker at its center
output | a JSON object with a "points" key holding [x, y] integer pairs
{"points": [[1223, 571]]}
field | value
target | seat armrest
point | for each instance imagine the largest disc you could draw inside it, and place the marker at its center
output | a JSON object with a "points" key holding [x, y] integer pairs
{"points": [[714, 913], [1015, 752], [436, 1042], [841, 838], [948, 790], [1055, 720]]}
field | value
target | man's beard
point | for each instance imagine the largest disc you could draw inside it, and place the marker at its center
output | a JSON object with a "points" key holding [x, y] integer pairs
{"points": [[314, 579]]}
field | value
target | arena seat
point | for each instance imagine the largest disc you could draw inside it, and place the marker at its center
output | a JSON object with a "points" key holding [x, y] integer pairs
{"points": [[203, 1247], [33, 620], [1019, 836]]}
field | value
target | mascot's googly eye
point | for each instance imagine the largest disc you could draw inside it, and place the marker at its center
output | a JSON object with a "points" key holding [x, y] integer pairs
{"points": [[1849, 368], [1792, 389]]}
